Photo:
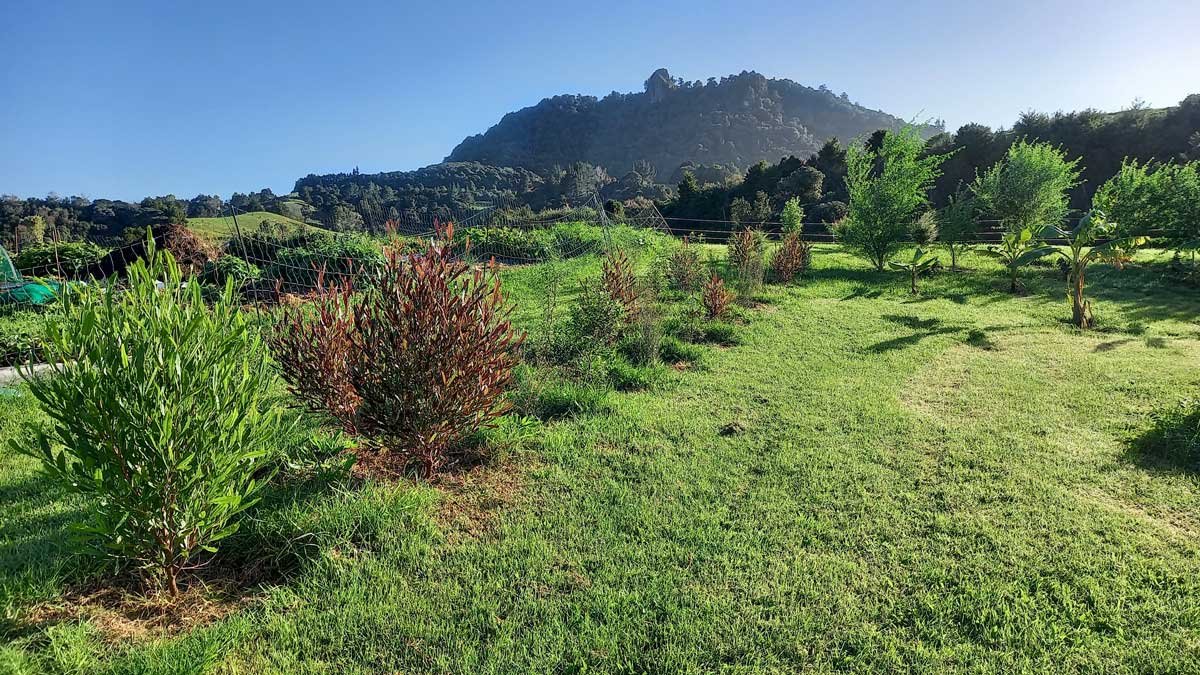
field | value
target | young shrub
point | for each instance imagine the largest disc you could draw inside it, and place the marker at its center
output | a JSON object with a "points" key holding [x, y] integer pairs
{"points": [[715, 298], [642, 338], [747, 257], [792, 255], [432, 353], [618, 281], [160, 410], [595, 319], [228, 266], [793, 216], [923, 260], [311, 342], [956, 226], [791, 258], [685, 271]]}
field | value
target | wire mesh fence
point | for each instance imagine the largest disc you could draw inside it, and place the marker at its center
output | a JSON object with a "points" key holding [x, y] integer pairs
{"points": [[270, 259]]}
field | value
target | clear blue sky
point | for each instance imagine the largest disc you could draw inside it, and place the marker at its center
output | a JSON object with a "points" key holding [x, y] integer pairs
{"points": [[130, 98]]}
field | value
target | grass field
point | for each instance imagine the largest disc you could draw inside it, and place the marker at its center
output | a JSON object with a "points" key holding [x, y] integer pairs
{"points": [[869, 481], [222, 227]]}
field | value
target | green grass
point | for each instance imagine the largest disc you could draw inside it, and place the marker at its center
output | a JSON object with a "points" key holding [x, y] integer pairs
{"points": [[868, 481], [222, 227]]}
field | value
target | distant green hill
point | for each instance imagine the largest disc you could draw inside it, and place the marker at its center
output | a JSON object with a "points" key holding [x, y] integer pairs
{"points": [[222, 227]]}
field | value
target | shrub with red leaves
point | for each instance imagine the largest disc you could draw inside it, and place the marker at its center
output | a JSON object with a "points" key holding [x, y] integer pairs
{"points": [[435, 353], [715, 297], [429, 354], [618, 281], [791, 258], [311, 343]]}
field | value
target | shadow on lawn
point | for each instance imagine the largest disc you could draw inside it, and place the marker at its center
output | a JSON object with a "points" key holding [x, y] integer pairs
{"points": [[1143, 292], [1172, 444]]}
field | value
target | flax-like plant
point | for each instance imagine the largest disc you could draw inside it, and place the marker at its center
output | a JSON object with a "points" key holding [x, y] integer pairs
{"points": [[160, 411], [1087, 243]]}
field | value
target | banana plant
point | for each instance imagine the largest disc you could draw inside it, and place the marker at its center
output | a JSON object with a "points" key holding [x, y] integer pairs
{"points": [[1084, 247], [1018, 248], [922, 261]]}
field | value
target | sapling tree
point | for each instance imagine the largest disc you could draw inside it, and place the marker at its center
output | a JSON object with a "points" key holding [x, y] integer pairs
{"points": [[924, 233], [161, 410], [792, 255], [888, 188], [1089, 242], [1027, 191], [957, 226]]}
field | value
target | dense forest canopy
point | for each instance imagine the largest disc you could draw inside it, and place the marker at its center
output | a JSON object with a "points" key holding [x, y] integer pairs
{"points": [[738, 120], [685, 177]]}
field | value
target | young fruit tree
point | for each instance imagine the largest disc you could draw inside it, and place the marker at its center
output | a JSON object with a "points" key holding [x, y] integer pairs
{"points": [[888, 188], [1084, 247], [956, 225], [1027, 191], [792, 255], [161, 411], [923, 260]]}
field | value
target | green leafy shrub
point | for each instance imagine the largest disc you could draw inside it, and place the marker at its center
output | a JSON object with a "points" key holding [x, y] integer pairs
{"points": [[685, 271], [595, 318], [336, 256], [160, 409], [230, 268], [72, 258], [641, 340], [511, 243]]}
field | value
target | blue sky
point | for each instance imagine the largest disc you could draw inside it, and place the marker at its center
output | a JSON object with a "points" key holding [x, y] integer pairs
{"points": [[128, 99]]}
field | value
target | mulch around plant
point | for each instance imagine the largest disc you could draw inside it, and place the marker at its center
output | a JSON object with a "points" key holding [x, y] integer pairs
{"points": [[124, 610]]}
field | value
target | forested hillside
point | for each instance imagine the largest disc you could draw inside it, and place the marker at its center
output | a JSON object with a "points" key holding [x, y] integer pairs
{"points": [[736, 120], [735, 149]]}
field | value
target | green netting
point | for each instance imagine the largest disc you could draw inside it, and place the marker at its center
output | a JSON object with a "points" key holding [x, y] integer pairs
{"points": [[8, 271], [14, 289]]}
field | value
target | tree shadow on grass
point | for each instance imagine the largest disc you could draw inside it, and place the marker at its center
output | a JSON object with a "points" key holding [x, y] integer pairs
{"points": [[975, 336], [1172, 443], [924, 328], [1143, 292]]}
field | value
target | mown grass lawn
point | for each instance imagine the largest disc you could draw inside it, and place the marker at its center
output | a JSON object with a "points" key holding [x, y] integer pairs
{"points": [[870, 481]]}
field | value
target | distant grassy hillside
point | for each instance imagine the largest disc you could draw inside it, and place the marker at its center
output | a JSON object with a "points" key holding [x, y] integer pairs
{"points": [[222, 227]]}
